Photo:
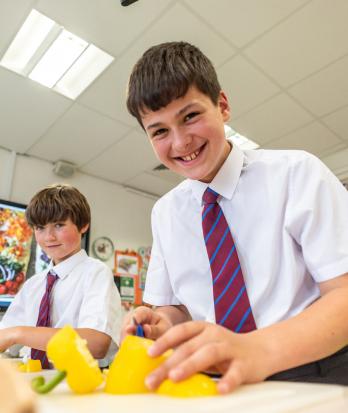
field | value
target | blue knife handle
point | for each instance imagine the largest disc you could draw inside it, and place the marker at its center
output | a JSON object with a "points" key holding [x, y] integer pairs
{"points": [[139, 332]]}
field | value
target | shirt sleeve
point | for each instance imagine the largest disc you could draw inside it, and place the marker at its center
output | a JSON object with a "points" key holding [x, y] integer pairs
{"points": [[317, 218], [158, 289], [101, 304], [15, 314]]}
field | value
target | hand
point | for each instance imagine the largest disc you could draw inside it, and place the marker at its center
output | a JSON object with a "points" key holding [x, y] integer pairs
{"points": [[201, 346], [154, 323]]}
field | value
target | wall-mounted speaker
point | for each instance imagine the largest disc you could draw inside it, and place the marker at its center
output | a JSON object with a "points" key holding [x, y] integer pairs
{"points": [[64, 169]]}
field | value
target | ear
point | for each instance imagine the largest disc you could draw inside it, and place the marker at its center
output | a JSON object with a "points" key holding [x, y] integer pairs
{"points": [[224, 106], [84, 229]]}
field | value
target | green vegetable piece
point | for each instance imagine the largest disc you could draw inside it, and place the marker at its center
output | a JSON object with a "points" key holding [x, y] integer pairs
{"points": [[39, 385]]}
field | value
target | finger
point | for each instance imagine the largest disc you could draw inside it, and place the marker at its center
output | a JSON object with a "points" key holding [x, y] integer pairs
{"points": [[152, 331], [173, 362], [175, 336], [130, 329], [127, 327], [144, 315], [198, 357], [155, 378], [232, 379]]}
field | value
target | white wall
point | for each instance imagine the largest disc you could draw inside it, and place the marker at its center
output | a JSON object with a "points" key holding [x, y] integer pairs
{"points": [[116, 213]]}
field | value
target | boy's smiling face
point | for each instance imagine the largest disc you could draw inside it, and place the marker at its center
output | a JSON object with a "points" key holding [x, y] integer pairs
{"points": [[59, 240], [188, 134]]}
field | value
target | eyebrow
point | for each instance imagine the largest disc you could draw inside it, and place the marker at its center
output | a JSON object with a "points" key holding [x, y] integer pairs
{"points": [[179, 113]]}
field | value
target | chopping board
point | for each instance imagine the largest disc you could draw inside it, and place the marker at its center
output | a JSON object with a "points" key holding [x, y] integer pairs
{"points": [[267, 397]]}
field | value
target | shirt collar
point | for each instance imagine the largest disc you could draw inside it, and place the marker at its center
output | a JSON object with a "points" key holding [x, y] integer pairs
{"points": [[226, 180], [64, 268]]}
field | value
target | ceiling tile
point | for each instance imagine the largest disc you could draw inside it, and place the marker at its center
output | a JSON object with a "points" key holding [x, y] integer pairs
{"points": [[275, 118], [337, 162], [107, 94], [338, 122], [299, 44], [246, 86], [314, 138], [325, 91], [303, 44], [12, 15], [167, 175], [150, 183], [127, 158], [111, 100], [241, 21], [104, 22], [27, 110], [78, 136]]}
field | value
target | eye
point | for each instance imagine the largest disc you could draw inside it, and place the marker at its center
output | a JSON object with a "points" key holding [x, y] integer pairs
{"points": [[190, 116], [159, 133], [59, 224], [38, 227]]}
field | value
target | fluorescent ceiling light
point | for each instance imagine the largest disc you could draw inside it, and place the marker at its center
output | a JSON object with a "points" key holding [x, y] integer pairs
{"points": [[55, 57], [87, 68], [240, 140], [65, 50], [29, 38]]}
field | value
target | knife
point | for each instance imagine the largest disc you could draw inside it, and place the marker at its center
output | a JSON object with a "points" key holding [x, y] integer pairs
{"points": [[139, 331]]}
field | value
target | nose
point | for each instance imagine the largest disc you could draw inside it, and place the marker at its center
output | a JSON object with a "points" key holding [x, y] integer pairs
{"points": [[50, 234], [181, 141]]}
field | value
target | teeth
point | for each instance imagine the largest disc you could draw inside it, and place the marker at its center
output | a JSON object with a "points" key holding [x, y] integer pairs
{"points": [[191, 157]]}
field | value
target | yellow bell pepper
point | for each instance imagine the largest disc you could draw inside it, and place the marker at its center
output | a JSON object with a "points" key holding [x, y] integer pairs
{"points": [[198, 385], [131, 365], [31, 366], [69, 354]]}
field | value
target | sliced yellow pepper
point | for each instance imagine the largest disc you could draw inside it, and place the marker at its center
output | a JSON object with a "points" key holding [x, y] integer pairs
{"points": [[70, 355], [131, 365], [69, 352], [198, 385], [31, 366]]}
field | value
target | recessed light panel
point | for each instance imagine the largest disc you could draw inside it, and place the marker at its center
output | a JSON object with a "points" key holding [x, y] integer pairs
{"points": [[54, 57], [28, 39]]}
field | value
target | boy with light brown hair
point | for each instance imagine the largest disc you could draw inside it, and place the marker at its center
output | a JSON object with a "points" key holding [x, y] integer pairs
{"points": [[76, 289]]}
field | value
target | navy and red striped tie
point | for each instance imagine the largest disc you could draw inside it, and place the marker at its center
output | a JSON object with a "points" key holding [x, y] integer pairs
{"points": [[232, 306], [44, 319]]}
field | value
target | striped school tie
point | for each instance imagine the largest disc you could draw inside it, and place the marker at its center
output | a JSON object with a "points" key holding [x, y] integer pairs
{"points": [[43, 319], [232, 306]]}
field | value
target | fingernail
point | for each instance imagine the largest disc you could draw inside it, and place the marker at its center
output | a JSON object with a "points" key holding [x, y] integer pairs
{"points": [[223, 388], [175, 374], [150, 382], [151, 351]]}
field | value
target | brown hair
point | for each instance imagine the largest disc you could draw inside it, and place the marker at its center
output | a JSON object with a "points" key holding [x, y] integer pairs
{"points": [[165, 72], [57, 203]]}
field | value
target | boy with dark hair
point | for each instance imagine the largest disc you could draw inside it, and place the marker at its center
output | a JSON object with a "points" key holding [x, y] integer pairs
{"points": [[249, 262], [76, 290]]}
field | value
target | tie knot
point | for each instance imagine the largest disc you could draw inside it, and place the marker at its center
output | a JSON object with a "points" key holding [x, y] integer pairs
{"points": [[210, 196], [51, 279]]}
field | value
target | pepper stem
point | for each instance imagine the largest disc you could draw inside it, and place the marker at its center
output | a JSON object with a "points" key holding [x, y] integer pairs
{"points": [[39, 385]]}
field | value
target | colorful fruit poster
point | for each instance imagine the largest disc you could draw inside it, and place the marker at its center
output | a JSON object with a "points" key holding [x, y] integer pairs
{"points": [[15, 243]]}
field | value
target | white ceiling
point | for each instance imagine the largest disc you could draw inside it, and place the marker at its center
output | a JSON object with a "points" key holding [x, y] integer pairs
{"points": [[284, 65]]}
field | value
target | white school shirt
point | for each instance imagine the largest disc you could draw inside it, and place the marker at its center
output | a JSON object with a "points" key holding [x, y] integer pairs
{"points": [[288, 215], [84, 296]]}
